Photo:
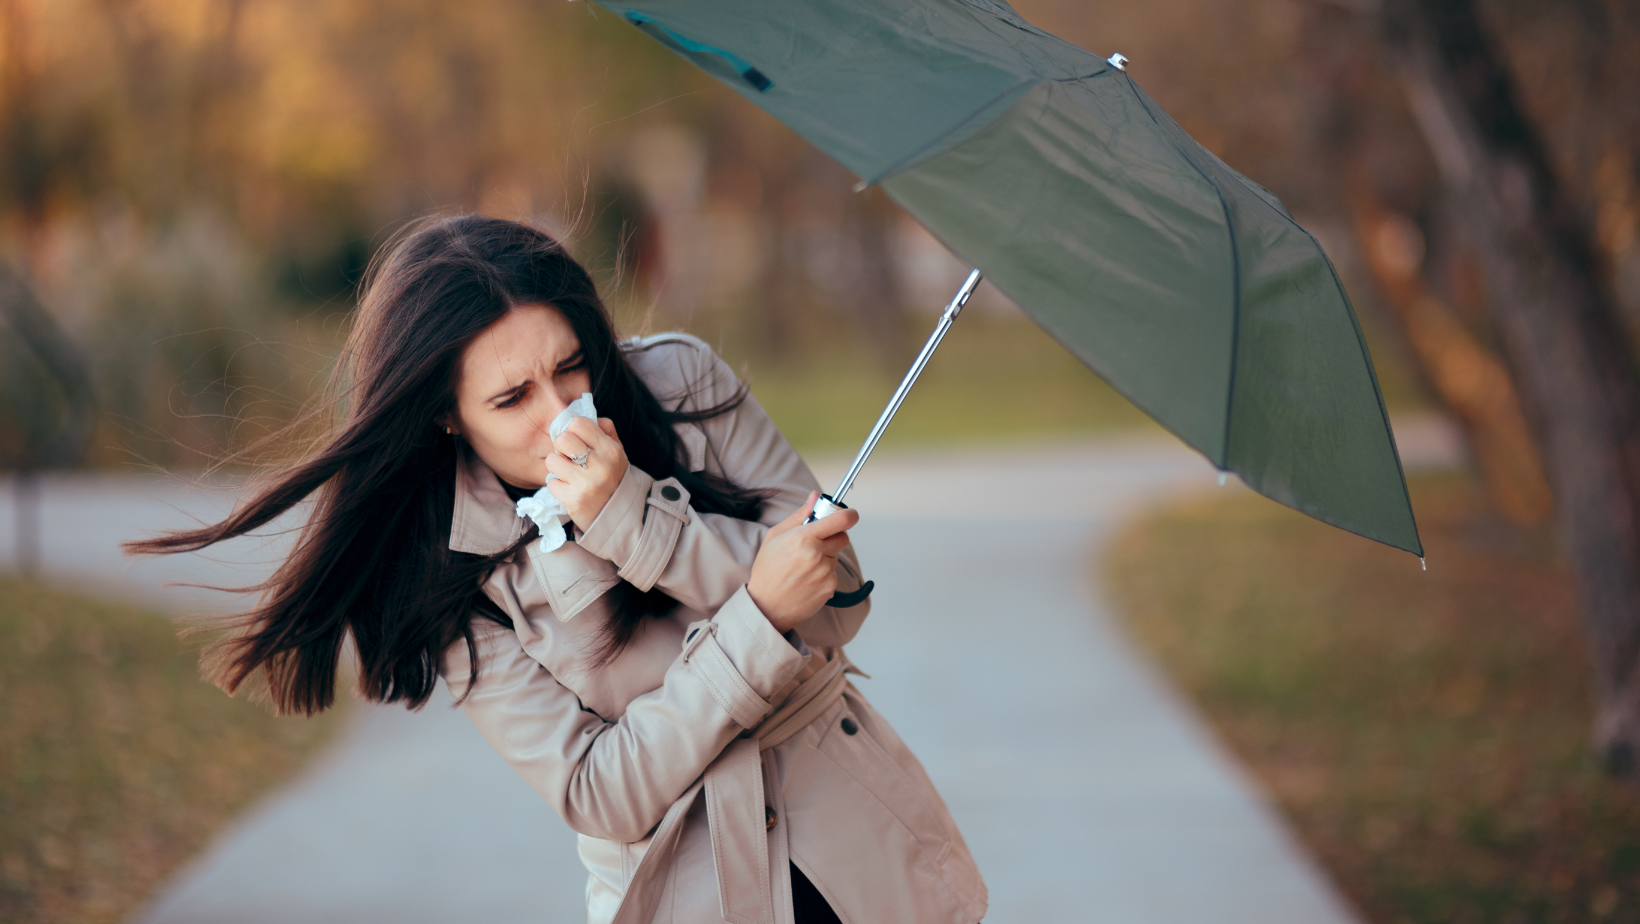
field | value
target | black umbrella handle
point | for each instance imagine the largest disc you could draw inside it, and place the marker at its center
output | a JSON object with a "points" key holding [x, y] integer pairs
{"points": [[824, 507], [842, 601]]}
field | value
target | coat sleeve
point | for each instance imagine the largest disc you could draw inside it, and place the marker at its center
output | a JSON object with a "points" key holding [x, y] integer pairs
{"points": [[657, 539], [614, 780]]}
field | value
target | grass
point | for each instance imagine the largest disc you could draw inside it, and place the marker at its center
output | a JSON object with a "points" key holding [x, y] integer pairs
{"points": [[1426, 733], [117, 763]]}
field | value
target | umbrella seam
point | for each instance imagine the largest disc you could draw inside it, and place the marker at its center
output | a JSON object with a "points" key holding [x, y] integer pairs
{"points": [[921, 154], [1223, 462]]}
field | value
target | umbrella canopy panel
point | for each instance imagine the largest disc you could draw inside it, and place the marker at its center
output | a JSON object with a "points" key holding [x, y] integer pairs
{"points": [[1184, 284], [878, 86]]}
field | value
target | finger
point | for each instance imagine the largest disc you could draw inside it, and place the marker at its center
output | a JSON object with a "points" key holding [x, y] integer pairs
{"points": [[571, 444], [841, 521], [556, 487], [832, 546], [796, 519], [560, 465], [608, 428], [590, 432]]}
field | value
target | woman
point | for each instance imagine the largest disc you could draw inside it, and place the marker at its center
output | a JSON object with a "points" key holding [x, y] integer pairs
{"points": [[670, 680]]}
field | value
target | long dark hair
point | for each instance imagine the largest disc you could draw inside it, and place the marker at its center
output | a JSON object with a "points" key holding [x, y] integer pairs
{"points": [[373, 558]]}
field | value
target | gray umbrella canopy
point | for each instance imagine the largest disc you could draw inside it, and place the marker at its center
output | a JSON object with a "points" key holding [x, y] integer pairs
{"points": [[1186, 286]]}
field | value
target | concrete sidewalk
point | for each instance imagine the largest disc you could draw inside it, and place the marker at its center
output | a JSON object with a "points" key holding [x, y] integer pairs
{"points": [[1086, 788]]}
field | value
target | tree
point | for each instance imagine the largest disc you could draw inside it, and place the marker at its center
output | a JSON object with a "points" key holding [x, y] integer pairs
{"points": [[1558, 322], [45, 443]]}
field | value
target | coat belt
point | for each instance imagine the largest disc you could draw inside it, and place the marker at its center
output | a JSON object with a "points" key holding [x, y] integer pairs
{"points": [[735, 812]]}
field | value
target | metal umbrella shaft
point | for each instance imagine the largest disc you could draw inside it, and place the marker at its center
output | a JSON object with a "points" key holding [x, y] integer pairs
{"points": [[949, 315], [828, 504]]}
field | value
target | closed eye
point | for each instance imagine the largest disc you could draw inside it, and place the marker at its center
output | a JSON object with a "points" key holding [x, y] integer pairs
{"points": [[574, 364], [510, 399]]}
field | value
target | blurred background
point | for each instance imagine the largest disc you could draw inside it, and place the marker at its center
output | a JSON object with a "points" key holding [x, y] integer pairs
{"points": [[190, 191], [194, 188]]}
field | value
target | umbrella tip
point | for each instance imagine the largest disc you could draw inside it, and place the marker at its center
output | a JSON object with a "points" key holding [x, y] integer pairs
{"points": [[1422, 562], [1221, 479], [1118, 61]]}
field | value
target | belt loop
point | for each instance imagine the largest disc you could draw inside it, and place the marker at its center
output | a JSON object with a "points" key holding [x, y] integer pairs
{"points": [[698, 631], [736, 814]]}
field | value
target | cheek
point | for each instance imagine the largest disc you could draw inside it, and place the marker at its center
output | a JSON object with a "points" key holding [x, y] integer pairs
{"points": [[500, 432]]}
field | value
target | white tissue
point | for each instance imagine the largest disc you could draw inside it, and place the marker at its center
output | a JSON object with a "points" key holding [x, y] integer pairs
{"points": [[547, 511]]}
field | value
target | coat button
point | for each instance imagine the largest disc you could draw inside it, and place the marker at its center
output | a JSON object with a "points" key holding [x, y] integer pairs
{"points": [[768, 818], [670, 493], [849, 727]]}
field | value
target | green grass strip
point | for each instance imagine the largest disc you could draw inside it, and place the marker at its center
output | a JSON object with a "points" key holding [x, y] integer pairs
{"points": [[1426, 733], [117, 763]]}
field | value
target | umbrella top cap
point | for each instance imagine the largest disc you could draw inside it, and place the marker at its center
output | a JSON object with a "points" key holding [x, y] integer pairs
{"points": [[1118, 61]]}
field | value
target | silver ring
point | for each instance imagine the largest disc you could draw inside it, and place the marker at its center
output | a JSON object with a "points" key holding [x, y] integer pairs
{"points": [[581, 460]]}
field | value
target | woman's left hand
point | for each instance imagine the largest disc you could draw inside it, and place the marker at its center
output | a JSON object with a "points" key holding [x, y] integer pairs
{"points": [[585, 491]]}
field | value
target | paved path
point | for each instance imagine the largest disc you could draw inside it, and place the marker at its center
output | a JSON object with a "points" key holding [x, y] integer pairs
{"points": [[1087, 789]]}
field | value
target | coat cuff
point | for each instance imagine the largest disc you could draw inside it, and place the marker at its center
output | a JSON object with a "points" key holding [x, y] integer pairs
{"points": [[639, 526], [741, 659]]}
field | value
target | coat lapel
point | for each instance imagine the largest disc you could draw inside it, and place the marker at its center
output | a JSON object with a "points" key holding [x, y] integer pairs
{"points": [[486, 522]]}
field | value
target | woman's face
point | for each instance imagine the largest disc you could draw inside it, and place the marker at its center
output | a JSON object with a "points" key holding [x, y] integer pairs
{"points": [[513, 380]]}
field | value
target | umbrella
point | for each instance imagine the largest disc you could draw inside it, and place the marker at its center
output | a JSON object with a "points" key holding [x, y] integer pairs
{"points": [[1185, 285]]}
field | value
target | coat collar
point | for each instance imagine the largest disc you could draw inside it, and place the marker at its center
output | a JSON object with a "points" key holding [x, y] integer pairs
{"points": [[485, 520]]}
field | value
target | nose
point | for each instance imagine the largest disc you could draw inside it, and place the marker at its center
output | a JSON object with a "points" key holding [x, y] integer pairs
{"points": [[546, 409], [554, 405]]}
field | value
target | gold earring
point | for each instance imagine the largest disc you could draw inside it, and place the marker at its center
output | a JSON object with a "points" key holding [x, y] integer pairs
{"points": [[449, 429]]}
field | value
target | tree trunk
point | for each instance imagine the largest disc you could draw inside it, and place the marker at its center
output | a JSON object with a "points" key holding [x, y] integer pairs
{"points": [[1469, 379], [1559, 327], [26, 511], [60, 443]]}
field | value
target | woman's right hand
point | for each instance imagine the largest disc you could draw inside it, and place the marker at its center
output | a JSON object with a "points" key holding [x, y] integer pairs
{"points": [[795, 572]]}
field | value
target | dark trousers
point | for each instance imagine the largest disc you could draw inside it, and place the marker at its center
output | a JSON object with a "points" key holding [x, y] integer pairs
{"points": [[808, 905]]}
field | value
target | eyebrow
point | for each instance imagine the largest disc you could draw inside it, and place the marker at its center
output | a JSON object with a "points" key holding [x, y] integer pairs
{"points": [[579, 354]]}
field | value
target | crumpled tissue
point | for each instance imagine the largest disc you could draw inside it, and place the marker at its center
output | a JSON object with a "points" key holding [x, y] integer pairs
{"points": [[547, 511]]}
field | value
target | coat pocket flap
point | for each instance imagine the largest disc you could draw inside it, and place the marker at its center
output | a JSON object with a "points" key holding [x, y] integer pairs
{"points": [[572, 578]]}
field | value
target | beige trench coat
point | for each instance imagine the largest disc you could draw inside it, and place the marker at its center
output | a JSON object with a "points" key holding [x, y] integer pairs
{"points": [[714, 750]]}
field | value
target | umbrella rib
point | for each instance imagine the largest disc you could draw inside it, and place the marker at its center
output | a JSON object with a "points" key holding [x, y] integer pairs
{"points": [[1223, 462], [1377, 392], [1235, 338], [922, 153], [1235, 326], [936, 144]]}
